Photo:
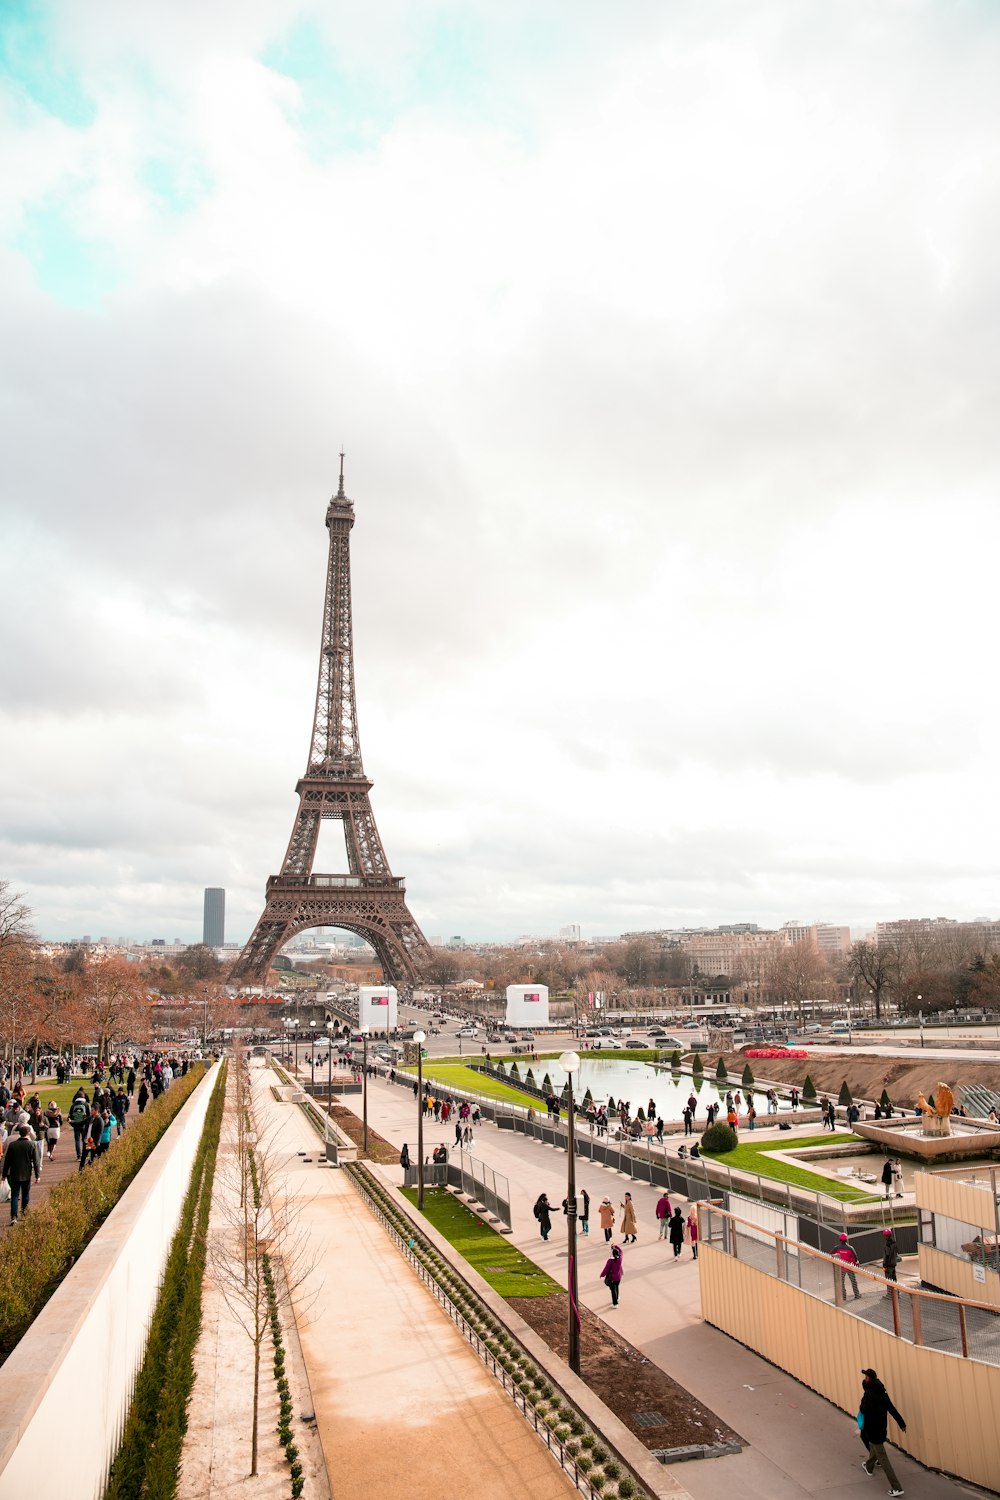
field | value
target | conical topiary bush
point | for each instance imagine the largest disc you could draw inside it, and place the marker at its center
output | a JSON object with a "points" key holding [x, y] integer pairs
{"points": [[721, 1071], [809, 1090], [845, 1096], [748, 1077]]}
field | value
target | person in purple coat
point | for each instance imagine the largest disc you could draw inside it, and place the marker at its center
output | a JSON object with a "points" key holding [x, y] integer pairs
{"points": [[612, 1273]]}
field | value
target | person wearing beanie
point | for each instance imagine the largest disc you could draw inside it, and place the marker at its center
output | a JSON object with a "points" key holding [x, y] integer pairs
{"points": [[890, 1258], [846, 1255], [873, 1420]]}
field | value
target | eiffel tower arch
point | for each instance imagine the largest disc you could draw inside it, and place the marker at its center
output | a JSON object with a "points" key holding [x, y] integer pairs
{"points": [[368, 899]]}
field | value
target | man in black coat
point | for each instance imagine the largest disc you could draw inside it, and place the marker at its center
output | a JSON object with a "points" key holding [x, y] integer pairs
{"points": [[873, 1418], [19, 1164]]}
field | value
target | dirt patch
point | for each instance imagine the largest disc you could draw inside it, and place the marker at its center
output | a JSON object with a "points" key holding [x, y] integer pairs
{"points": [[866, 1075], [379, 1149], [625, 1380]]}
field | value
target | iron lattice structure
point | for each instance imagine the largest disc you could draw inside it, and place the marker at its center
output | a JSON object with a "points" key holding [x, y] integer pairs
{"points": [[369, 899]]}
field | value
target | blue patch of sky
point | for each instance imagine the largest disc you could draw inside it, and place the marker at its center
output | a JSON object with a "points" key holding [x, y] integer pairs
{"points": [[71, 269], [177, 183], [460, 70], [30, 63]]}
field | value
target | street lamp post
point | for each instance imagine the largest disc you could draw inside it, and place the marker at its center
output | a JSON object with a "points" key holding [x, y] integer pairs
{"points": [[920, 1014], [419, 1037], [849, 1038], [329, 1066], [570, 1062], [364, 1088], [204, 1019]]}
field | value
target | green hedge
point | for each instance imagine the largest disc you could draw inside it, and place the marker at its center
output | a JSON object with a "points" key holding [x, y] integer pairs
{"points": [[36, 1253], [148, 1460], [718, 1139]]}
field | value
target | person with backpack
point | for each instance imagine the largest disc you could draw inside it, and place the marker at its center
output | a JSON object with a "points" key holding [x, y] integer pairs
{"points": [[119, 1107], [53, 1127], [543, 1214], [873, 1422], [79, 1118], [847, 1256]]}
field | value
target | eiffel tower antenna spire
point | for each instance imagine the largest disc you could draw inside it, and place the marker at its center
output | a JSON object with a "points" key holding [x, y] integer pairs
{"points": [[367, 899]]}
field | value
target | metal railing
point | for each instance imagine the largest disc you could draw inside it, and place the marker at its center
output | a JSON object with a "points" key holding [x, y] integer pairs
{"points": [[929, 1319], [473, 1178], [557, 1447]]}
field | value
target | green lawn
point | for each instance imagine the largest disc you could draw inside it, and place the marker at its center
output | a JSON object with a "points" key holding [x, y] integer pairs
{"points": [[46, 1088], [498, 1262], [755, 1157], [458, 1075]]}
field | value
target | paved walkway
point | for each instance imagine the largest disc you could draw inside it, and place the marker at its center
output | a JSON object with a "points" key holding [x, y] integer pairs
{"points": [[403, 1406], [798, 1444]]}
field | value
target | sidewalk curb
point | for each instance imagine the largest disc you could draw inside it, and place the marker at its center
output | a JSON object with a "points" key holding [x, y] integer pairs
{"points": [[657, 1479]]}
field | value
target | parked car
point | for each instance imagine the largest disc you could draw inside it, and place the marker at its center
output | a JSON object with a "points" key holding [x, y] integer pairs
{"points": [[494, 1036], [466, 1031]]}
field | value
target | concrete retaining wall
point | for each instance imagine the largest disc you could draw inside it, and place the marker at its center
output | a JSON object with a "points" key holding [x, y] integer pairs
{"points": [[64, 1392]]}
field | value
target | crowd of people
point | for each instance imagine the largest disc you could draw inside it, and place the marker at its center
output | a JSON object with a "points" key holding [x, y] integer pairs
{"points": [[30, 1134]]}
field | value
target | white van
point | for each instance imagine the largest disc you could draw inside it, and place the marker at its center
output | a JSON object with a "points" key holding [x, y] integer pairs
{"points": [[840, 1028]]}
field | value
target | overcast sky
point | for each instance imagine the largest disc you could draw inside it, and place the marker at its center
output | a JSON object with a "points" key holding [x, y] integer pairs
{"points": [[663, 343]]}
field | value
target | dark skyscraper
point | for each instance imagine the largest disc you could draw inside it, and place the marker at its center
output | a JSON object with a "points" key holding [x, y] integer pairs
{"points": [[214, 927]]}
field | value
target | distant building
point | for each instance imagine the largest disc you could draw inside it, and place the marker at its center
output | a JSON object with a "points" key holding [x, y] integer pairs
{"points": [[213, 932]]}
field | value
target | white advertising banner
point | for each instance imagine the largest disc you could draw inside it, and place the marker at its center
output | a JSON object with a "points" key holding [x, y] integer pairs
{"points": [[527, 1005], [377, 1007]]}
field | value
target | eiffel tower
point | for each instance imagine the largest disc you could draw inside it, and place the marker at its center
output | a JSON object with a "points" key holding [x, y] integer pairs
{"points": [[369, 900]]}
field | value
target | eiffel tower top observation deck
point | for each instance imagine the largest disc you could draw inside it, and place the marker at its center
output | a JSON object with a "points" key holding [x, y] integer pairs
{"points": [[368, 899]]}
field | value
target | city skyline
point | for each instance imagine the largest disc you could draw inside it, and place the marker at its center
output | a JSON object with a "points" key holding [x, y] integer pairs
{"points": [[658, 344]]}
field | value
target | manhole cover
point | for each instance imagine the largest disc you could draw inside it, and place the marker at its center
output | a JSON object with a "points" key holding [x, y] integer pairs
{"points": [[648, 1419]]}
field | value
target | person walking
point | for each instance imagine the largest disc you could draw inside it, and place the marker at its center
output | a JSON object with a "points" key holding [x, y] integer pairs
{"points": [[543, 1213], [897, 1177], [890, 1258], [143, 1097], [612, 1273], [688, 1117], [848, 1259], [887, 1176], [873, 1421], [676, 1230], [692, 1229], [53, 1126], [404, 1157], [585, 1212], [663, 1213], [19, 1165], [606, 1214], [628, 1224]]}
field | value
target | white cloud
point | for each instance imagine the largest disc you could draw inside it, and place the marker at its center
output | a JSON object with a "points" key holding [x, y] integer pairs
{"points": [[668, 385]]}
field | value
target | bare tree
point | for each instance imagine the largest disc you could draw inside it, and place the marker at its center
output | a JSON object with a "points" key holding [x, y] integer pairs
{"points": [[870, 967], [15, 917], [259, 1253], [798, 975]]}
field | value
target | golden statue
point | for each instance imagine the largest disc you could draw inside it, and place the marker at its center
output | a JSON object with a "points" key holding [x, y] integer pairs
{"points": [[939, 1112]]}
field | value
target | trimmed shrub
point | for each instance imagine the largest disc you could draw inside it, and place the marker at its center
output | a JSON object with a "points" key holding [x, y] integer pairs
{"points": [[845, 1097], [546, 1084], [885, 1101], [627, 1488], [515, 1071], [747, 1079], [721, 1070], [148, 1456], [588, 1099], [35, 1256], [529, 1078], [675, 1061], [718, 1139], [697, 1067], [611, 1104], [639, 1114], [809, 1090]]}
